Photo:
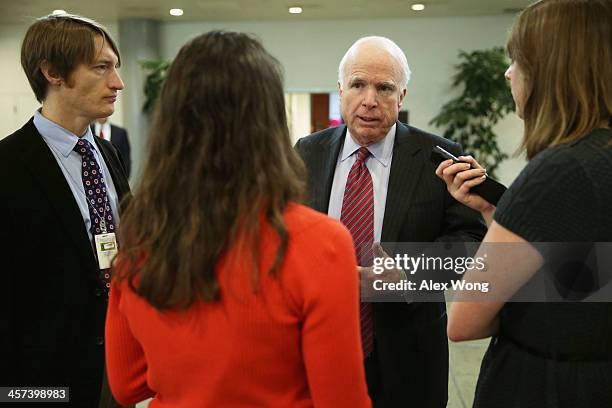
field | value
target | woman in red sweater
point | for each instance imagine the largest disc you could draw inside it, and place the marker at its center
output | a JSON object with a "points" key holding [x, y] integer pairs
{"points": [[227, 292]]}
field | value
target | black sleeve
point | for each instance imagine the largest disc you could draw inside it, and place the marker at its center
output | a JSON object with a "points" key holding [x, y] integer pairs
{"points": [[461, 225], [552, 200], [8, 365]]}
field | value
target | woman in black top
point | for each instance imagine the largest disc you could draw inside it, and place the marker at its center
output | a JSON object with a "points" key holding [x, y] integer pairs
{"points": [[548, 354]]}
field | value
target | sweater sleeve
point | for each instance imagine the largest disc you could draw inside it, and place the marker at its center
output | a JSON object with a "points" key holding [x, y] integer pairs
{"points": [[126, 364], [330, 305]]}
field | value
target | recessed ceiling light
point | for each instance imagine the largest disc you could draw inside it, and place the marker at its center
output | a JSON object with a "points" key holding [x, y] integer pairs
{"points": [[176, 12], [56, 12], [418, 7], [295, 10]]}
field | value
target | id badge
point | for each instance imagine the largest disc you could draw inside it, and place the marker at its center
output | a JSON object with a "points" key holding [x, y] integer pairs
{"points": [[106, 248]]}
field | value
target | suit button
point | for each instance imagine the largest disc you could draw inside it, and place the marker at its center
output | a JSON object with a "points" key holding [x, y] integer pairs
{"points": [[99, 341], [98, 292]]}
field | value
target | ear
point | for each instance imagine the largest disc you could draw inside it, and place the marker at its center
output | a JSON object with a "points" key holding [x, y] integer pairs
{"points": [[401, 98], [339, 89], [51, 74]]}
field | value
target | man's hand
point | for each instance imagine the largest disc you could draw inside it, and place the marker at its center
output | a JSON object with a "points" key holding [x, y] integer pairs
{"points": [[389, 275]]}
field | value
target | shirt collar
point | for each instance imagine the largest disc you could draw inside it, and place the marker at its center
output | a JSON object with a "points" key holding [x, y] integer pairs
{"points": [[382, 150], [62, 140], [102, 127]]}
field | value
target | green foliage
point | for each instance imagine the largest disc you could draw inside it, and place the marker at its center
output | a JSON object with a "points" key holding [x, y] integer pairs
{"points": [[486, 98], [153, 82]]}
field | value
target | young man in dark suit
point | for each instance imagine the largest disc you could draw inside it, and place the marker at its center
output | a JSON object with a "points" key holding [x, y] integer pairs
{"points": [[117, 136], [374, 175], [60, 196]]}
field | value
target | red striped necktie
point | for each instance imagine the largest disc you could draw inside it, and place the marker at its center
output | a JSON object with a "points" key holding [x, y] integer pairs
{"points": [[358, 216]]}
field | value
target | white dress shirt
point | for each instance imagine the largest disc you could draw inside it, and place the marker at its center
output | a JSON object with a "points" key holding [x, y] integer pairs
{"points": [[61, 142], [379, 166], [105, 128]]}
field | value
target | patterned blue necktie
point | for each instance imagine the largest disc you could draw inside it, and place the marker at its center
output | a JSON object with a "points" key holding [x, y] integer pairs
{"points": [[98, 203]]}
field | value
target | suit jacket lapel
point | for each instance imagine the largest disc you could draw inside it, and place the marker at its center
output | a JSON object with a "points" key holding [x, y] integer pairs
{"points": [[116, 170], [323, 175], [406, 168], [44, 168]]}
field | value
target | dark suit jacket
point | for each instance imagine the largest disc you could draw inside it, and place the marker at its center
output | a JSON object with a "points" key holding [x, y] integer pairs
{"points": [[119, 139], [52, 305], [411, 348]]}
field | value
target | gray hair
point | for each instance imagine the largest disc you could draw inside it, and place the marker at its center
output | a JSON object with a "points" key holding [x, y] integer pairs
{"points": [[388, 45]]}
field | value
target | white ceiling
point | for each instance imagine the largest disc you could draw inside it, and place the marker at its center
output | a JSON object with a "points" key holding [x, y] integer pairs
{"points": [[23, 11]]}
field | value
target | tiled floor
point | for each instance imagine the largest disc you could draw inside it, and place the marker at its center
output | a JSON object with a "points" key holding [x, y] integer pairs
{"points": [[465, 361]]}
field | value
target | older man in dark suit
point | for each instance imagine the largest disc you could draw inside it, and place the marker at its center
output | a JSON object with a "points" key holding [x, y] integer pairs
{"points": [[60, 195], [374, 175]]}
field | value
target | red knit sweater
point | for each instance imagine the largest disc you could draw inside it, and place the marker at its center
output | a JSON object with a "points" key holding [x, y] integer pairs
{"points": [[295, 344]]}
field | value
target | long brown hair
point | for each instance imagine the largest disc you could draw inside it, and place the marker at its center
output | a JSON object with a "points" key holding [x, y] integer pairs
{"points": [[219, 161], [564, 50]]}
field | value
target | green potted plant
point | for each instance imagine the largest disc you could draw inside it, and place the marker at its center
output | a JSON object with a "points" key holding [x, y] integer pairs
{"points": [[485, 99], [156, 73]]}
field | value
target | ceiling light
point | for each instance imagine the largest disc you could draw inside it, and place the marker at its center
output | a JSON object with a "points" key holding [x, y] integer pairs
{"points": [[176, 12], [295, 10], [418, 7], [56, 12]]}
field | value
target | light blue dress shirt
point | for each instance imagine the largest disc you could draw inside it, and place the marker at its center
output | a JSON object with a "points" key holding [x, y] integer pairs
{"points": [[61, 142], [379, 166]]}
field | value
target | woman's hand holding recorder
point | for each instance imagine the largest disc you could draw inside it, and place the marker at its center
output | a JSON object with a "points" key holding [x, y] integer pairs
{"points": [[460, 177]]}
